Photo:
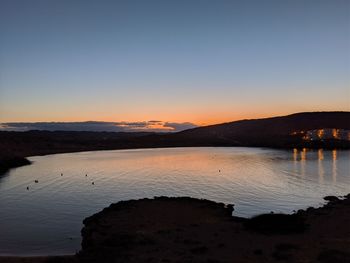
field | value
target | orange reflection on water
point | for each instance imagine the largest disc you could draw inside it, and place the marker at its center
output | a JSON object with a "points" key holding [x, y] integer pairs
{"points": [[295, 160], [320, 154], [303, 161], [334, 154], [295, 154], [303, 154], [334, 166], [320, 165]]}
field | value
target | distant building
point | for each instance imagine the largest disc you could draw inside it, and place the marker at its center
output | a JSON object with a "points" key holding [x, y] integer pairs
{"points": [[324, 134]]}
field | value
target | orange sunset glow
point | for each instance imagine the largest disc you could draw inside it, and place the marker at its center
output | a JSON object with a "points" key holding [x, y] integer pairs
{"points": [[179, 131]]}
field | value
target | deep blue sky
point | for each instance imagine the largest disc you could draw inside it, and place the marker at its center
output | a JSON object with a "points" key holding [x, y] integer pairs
{"points": [[195, 61]]}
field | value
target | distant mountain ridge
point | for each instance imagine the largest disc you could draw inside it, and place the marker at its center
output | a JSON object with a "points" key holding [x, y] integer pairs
{"points": [[279, 132], [282, 125], [269, 132]]}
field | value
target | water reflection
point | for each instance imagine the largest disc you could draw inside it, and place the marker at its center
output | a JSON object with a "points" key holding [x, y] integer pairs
{"points": [[320, 165], [303, 154], [295, 154], [325, 160], [255, 180], [320, 155], [303, 161], [334, 166], [295, 160]]}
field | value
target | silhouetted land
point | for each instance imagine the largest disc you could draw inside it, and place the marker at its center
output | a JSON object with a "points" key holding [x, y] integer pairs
{"points": [[269, 132], [191, 230], [185, 229]]}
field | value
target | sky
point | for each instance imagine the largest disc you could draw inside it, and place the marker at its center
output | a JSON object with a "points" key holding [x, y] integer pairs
{"points": [[181, 62]]}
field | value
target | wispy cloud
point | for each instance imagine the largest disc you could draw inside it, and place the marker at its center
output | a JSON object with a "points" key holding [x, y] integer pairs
{"points": [[151, 126], [179, 126]]}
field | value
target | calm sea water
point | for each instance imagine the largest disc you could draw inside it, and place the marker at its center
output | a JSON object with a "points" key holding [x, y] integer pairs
{"points": [[47, 218]]}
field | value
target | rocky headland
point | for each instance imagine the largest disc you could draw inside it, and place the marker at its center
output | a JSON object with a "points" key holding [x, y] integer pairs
{"points": [[183, 229]]}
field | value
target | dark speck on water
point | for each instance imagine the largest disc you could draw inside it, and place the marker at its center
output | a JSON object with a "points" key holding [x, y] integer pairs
{"points": [[252, 181]]}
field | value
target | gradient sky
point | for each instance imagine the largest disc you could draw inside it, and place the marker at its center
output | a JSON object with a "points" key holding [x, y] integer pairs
{"points": [[178, 61]]}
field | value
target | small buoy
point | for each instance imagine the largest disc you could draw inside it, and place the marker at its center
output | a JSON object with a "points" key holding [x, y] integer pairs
{"points": [[92, 183], [36, 181], [27, 187], [85, 174], [61, 174]]}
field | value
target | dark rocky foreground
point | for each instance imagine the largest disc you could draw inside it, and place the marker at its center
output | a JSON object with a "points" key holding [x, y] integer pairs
{"points": [[190, 230]]}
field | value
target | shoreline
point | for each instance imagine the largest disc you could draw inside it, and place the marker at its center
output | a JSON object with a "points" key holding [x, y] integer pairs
{"points": [[183, 229], [280, 132], [10, 161]]}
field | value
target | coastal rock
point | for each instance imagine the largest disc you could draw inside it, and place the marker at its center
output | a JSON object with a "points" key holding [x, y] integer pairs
{"points": [[11, 161], [185, 229], [175, 229]]}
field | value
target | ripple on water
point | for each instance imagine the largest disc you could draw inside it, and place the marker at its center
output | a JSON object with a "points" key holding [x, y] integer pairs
{"points": [[47, 218]]}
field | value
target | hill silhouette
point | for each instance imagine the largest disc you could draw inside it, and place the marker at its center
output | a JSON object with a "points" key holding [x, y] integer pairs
{"points": [[267, 132], [281, 132]]}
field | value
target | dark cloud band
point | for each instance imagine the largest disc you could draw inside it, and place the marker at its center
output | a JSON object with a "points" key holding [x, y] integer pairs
{"points": [[151, 126]]}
